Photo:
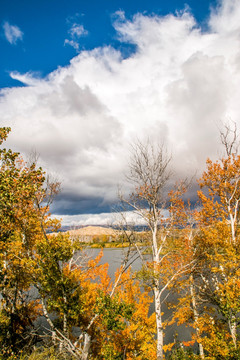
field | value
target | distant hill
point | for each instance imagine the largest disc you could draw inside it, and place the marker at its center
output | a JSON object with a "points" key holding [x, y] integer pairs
{"points": [[88, 233], [93, 231], [96, 234]]}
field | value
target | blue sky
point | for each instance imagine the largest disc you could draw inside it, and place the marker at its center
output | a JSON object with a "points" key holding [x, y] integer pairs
{"points": [[46, 25], [80, 81]]}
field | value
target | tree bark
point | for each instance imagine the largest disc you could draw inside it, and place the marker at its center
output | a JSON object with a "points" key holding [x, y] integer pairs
{"points": [[233, 330], [196, 316], [86, 346], [157, 294], [158, 310]]}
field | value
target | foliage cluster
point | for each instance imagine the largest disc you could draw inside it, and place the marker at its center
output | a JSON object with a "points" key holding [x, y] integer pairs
{"points": [[88, 315]]}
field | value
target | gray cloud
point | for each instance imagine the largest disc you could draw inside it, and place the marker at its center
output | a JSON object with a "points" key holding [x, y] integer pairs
{"points": [[177, 87]]}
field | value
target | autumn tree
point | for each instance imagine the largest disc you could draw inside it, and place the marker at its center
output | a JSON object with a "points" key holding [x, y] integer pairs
{"points": [[88, 314], [188, 307], [95, 317], [23, 223], [219, 242], [149, 174], [211, 300]]}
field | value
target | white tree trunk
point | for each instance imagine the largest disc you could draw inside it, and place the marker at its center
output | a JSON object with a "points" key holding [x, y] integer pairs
{"points": [[196, 316], [232, 223], [86, 346], [157, 294], [158, 310], [64, 324], [233, 330]]}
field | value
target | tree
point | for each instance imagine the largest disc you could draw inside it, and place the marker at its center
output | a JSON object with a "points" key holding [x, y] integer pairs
{"points": [[93, 316], [111, 321], [229, 138], [188, 307], [219, 242], [210, 298], [23, 223], [149, 173]]}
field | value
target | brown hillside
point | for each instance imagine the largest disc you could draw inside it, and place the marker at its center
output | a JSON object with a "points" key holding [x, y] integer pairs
{"points": [[92, 231]]}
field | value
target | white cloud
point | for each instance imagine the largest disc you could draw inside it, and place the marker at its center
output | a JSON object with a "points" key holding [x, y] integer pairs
{"points": [[109, 219], [76, 32], [12, 33], [30, 79], [72, 43], [178, 85]]}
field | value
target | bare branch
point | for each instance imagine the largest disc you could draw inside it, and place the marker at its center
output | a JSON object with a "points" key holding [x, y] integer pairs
{"points": [[229, 138]]}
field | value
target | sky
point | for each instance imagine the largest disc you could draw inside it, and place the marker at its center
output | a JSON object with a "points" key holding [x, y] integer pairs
{"points": [[80, 81]]}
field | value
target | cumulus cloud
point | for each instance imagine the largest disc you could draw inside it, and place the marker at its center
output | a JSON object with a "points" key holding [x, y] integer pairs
{"points": [[12, 33], [177, 87], [109, 219], [75, 32], [29, 78]]}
